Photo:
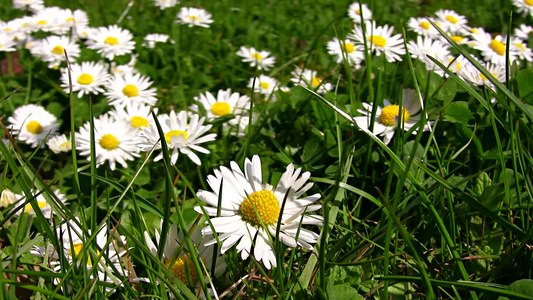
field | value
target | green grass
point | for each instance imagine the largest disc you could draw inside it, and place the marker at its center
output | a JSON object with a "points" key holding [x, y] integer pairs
{"points": [[440, 214]]}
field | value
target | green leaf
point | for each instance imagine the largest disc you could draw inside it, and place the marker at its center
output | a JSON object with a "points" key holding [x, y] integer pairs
{"points": [[524, 78], [343, 292], [481, 183], [458, 112], [522, 286]]}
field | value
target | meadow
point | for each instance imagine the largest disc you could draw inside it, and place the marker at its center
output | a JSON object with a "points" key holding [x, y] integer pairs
{"points": [[293, 149]]}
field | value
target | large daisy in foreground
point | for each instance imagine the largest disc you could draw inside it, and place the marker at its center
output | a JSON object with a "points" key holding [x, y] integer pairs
{"points": [[250, 210]]}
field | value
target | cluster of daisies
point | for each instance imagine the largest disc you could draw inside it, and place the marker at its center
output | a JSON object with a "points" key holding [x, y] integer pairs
{"points": [[430, 45]]}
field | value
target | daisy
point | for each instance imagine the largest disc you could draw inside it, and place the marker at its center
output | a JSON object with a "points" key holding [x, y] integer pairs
{"points": [[128, 68], [75, 247], [44, 207], [111, 41], [194, 17], [387, 118], [264, 85], [130, 88], [77, 19], [524, 6], [426, 47], [380, 40], [452, 22], [521, 48], [59, 143], [422, 27], [115, 141], [16, 29], [354, 12], [45, 20], [7, 44], [261, 59], [494, 49], [225, 103], [471, 74], [454, 64], [7, 198], [151, 39], [250, 210], [52, 50], [164, 4], [87, 78], [32, 5], [138, 115], [523, 31], [310, 79], [346, 49], [180, 135], [32, 124], [176, 261]]}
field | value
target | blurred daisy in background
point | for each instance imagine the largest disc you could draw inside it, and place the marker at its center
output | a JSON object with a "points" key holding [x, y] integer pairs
{"points": [[164, 4], [7, 198], [43, 205], [423, 27], [471, 74], [380, 40], [181, 135], [522, 49], [194, 17], [130, 88], [7, 43], [453, 64], [346, 48], [261, 59], [355, 12], [225, 103], [32, 124], [115, 141], [111, 41], [87, 78], [52, 50], [523, 31], [387, 118], [452, 22], [59, 143], [32, 5], [250, 210], [524, 6], [264, 85], [128, 68], [138, 115], [151, 39], [310, 79], [425, 47]]}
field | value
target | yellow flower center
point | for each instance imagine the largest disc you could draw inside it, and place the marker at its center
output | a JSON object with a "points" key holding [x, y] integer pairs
{"points": [[457, 66], [424, 25], [498, 47], [176, 133], [389, 114], [111, 40], [29, 209], [347, 47], [220, 108], [528, 2], [138, 122], [109, 142], [451, 19], [473, 30], [181, 267], [264, 85], [66, 145], [266, 205], [315, 82], [42, 22], [520, 45], [70, 19], [58, 50], [358, 11], [34, 127], [378, 40], [85, 79], [484, 78], [194, 18], [457, 38], [76, 250], [257, 56], [130, 90]]}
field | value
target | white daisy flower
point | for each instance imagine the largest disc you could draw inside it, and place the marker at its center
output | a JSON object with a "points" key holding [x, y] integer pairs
{"points": [[151, 39], [18, 29], [59, 143], [522, 49], [494, 49], [45, 208], [45, 20], [32, 5], [111, 41], [452, 63], [261, 59], [32, 124], [52, 50], [346, 48], [128, 68], [524, 6], [474, 76], [264, 85], [194, 17], [523, 31], [380, 40], [7, 43], [115, 141], [452, 22], [422, 27], [225, 103], [180, 135], [354, 12], [177, 262], [7, 198], [250, 210], [122, 90], [310, 79], [138, 115], [74, 242], [425, 47], [87, 78], [387, 118], [68, 20], [164, 4]]}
